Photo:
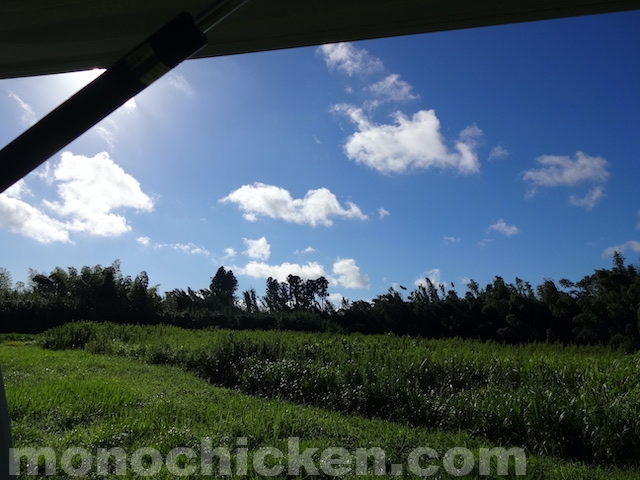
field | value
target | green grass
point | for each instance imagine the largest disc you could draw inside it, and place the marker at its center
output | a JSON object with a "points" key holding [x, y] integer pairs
{"points": [[576, 403], [17, 338], [63, 399]]}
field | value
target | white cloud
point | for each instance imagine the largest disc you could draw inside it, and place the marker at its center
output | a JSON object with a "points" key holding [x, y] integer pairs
{"points": [[306, 250], [408, 144], [470, 135], [28, 115], [391, 89], [345, 272], [589, 200], [498, 153], [309, 271], [20, 217], [90, 189], [348, 274], [501, 227], [349, 59], [383, 212], [562, 171], [229, 253], [130, 105], [336, 299], [177, 80], [189, 248], [108, 129], [632, 245], [316, 208], [18, 190], [107, 135], [44, 172], [485, 241], [452, 239], [433, 275], [145, 241], [258, 249]]}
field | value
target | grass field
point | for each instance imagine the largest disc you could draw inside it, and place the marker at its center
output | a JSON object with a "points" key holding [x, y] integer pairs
{"points": [[75, 399], [575, 403], [63, 399]]}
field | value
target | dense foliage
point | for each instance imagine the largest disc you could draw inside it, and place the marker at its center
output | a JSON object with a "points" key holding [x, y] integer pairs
{"points": [[573, 402], [602, 308], [70, 398]]}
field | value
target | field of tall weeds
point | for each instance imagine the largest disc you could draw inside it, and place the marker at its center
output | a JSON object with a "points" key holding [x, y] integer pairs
{"points": [[574, 403]]}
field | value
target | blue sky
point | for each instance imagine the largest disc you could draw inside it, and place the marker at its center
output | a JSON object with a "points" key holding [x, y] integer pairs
{"points": [[508, 151]]}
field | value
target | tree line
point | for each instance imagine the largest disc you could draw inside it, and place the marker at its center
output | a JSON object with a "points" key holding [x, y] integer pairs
{"points": [[602, 308]]}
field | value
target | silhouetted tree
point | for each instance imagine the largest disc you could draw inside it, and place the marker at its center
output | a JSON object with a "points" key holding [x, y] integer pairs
{"points": [[322, 291], [250, 301], [222, 289], [5, 280], [296, 291], [275, 299]]}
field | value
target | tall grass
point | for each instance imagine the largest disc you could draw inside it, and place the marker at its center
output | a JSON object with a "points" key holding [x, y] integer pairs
{"points": [[74, 399], [576, 403]]}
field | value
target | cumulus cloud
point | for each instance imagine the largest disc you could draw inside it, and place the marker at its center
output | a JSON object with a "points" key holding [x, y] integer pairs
{"points": [[408, 144], [349, 59], [318, 207], [28, 115], [18, 190], [20, 217], [229, 253], [345, 272], [498, 153], [144, 241], [89, 190], [632, 245], [309, 271], [589, 200], [258, 249], [348, 274], [501, 227], [336, 299], [562, 171], [383, 212], [391, 89]]}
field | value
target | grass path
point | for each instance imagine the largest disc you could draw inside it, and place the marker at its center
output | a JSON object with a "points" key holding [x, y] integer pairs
{"points": [[63, 399]]}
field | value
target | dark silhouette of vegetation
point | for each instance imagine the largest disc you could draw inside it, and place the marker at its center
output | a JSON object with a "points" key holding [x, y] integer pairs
{"points": [[602, 308]]}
